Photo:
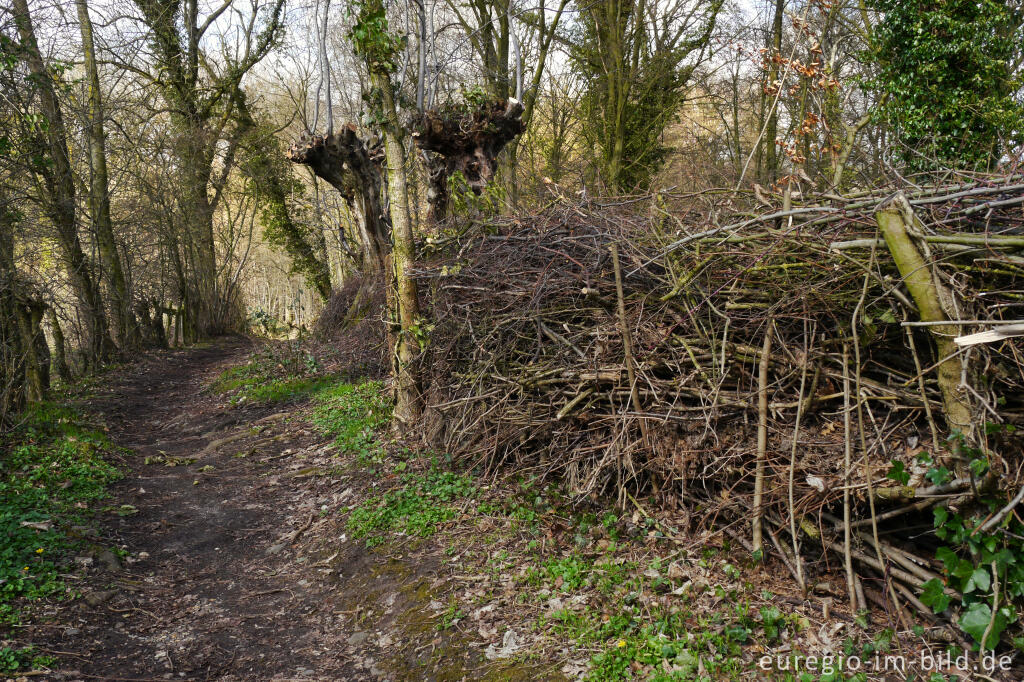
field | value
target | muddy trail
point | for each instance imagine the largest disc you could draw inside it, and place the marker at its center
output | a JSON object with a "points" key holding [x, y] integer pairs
{"points": [[220, 562]]}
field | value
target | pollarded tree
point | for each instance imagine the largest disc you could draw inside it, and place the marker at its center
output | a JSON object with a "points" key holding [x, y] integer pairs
{"points": [[950, 73], [351, 164]]}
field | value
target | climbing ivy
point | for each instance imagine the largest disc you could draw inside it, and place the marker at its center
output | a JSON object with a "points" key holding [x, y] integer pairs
{"points": [[946, 68], [262, 161], [982, 566], [372, 38]]}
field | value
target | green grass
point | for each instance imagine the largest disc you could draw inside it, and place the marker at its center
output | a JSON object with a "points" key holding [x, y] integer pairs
{"points": [[51, 471], [237, 378], [278, 373], [416, 508], [353, 413], [250, 383]]}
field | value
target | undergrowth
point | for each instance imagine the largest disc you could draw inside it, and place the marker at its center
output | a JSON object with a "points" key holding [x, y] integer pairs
{"points": [[416, 508], [276, 374], [353, 413], [51, 470]]}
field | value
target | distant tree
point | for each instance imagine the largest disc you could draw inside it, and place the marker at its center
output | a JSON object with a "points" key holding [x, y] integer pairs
{"points": [[637, 57], [198, 89], [262, 161], [125, 327], [47, 155], [950, 70]]}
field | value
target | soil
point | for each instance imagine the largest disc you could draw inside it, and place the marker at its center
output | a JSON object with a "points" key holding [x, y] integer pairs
{"points": [[226, 564]]}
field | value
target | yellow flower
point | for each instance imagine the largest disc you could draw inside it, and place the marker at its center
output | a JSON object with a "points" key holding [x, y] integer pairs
{"points": [[25, 569], [621, 644], [39, 551]]}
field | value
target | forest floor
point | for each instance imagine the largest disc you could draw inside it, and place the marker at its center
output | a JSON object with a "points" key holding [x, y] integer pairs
{"points": [[265, 529]]}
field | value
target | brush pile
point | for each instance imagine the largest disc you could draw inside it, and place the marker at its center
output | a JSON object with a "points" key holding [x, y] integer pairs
{"points": [[771, 367]]}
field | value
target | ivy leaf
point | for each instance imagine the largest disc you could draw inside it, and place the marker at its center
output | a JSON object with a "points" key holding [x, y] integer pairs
{"points": [[937, 475], [897, 472], [934, 596], [964, 570], [979, 580], [948, 558], [976, 619]]}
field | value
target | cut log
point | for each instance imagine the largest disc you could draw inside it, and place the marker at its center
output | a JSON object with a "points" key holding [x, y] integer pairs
{"points": [[928, 293]]}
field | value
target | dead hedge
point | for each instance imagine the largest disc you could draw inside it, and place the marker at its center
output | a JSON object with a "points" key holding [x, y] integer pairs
{"points": [[775, 369]]}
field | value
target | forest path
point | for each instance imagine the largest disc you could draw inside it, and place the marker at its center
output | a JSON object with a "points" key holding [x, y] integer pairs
{"points": [[232, 569]]}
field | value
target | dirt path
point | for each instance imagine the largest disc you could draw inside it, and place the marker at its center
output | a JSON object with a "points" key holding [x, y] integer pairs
{"points": [[227, 571]]}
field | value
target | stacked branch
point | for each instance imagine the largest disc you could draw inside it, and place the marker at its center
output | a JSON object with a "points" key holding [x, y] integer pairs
{"points": [[589, 342]]}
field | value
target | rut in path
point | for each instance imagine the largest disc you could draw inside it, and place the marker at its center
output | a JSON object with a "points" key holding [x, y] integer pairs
{"points": [[218, 583]]}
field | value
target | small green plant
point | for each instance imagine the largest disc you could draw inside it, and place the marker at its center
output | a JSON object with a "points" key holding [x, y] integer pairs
{"points": [[978, 558], [416, 508], [353, 413], [276, 374], [451, 615], [51, 470], [567, 573], [13, 660], [465, 201], [474, 97]]}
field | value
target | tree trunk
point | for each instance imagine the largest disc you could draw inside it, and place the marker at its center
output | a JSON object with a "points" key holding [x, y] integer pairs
{"points": [[59, 362], [59, 182], [772, 132], [125, 328], [12, 369], [347, 163], [35, 351], [465, 142], [406, 308]]}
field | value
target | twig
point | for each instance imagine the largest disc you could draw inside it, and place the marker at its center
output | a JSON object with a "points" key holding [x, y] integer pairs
{"points": [[847, 457], [1002, 513], [762, 434]]}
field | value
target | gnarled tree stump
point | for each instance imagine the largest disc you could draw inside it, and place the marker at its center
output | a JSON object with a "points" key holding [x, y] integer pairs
{"points": [[350, 165], [467, 141]]}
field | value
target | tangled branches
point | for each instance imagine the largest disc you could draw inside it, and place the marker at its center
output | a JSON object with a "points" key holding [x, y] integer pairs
{"points": [[647, 377]]}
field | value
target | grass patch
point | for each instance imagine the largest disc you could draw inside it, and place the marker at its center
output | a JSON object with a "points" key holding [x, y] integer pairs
{"points": [[51, 470], [250, 383], [279, 373], [286, 390], [416, 508], [353, 413]]}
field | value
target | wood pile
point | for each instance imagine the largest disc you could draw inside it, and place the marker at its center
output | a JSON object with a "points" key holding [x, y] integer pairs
{"points": [[779, 369]]}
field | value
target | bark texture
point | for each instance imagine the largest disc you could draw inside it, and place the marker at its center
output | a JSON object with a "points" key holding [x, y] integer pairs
{"points": [[466, 141], [346, 162]]}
